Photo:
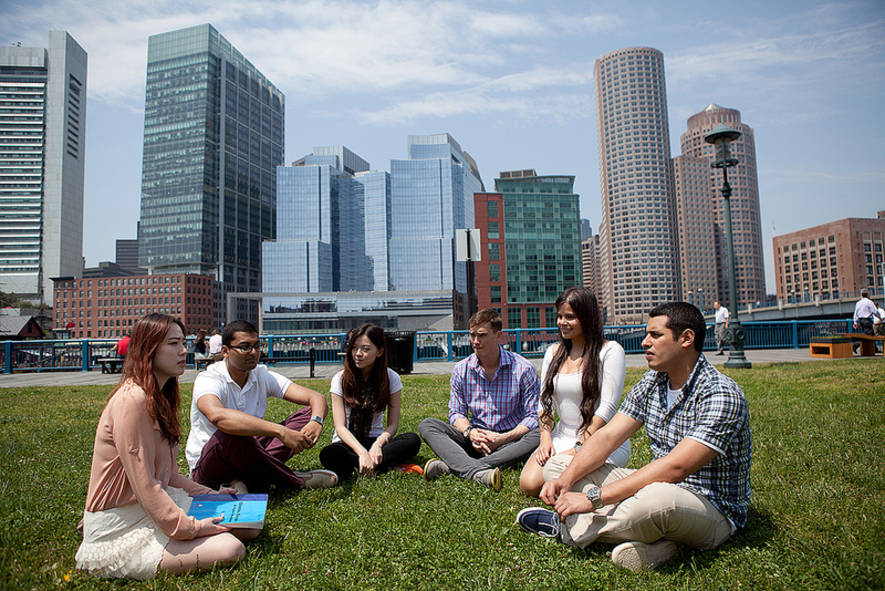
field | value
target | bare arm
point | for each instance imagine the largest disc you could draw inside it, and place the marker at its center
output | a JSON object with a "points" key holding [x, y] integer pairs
{"points": [[592, 455], [318, 408], [686, 458], [235, 422]]}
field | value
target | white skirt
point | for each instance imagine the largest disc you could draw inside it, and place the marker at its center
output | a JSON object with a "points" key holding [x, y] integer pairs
{"points": [[124, 542]]}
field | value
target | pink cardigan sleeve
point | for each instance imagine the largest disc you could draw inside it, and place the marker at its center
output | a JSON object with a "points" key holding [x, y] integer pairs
{"points": [[139, 446]]}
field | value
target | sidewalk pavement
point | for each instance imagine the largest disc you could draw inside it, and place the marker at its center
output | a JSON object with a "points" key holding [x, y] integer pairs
{"points": [[325, 371]]}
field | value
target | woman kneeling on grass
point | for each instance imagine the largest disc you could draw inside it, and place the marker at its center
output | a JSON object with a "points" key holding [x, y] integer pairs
{"points": [[136, 518], [360, 393]]}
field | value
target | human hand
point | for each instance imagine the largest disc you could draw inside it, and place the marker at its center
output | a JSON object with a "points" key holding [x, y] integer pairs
{"points": [[209, 527], [572, 502], [225, 490], [485, 441], [312, 431], [294, 440], [375, 453], [366, 464], [543, 453], [551, 491]]}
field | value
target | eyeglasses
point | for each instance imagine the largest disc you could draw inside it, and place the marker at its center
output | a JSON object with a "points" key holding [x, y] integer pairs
{"points": [[244, 348]]}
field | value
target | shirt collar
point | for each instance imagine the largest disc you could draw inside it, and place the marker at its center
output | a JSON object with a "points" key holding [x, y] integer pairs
{"points": [[505, 359]]}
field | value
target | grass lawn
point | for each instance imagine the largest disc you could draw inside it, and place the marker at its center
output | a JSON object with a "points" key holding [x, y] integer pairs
{"points": [[816, 518]]}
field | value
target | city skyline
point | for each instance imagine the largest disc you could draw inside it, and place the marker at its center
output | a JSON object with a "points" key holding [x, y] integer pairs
{"points": [[518, 91]]}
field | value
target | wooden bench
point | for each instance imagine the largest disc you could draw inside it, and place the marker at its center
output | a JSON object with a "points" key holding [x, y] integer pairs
{"points": [[831, 347], [203, 363], [111, 364], [867, 343]]}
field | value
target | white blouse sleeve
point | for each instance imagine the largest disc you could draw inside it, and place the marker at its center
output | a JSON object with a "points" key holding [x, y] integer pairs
{"points": [[613, 365]]}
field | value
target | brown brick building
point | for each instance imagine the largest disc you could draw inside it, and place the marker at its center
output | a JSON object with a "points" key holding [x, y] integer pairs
{"points": [[833, 260], [107, 307]]}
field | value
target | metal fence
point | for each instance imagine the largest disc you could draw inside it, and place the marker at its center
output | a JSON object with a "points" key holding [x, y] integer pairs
{"points": [[83, 354]]}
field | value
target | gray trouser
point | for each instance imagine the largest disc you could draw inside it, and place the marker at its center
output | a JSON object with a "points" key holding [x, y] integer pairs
{"points": [[660, 510], [464, 461]]}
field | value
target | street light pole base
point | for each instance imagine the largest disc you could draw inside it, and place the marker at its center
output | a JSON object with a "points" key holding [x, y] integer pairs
{"points": [[736, 359]]}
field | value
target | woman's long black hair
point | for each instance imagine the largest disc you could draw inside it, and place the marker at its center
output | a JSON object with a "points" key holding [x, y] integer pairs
{"points": [[365, 396], [586, 308]]}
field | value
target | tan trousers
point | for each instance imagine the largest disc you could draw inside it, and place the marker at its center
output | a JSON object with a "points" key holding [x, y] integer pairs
{"points": [[658, 511]]}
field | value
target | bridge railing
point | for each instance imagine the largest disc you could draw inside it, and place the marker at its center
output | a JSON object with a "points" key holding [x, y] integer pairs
{"points": [[83, 354]]}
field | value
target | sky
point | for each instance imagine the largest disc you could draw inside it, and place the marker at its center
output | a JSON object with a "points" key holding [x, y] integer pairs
{"points": [[510, 80]]}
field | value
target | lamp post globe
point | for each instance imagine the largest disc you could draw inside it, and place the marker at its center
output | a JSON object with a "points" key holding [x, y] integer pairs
{"points": [[720, 137]]}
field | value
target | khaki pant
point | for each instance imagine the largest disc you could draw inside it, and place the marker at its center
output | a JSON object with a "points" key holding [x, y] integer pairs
{"points": [[658, 511]]}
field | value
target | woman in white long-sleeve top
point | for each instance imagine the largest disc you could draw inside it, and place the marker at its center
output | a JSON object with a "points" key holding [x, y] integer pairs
{"points": [[582, 379]]}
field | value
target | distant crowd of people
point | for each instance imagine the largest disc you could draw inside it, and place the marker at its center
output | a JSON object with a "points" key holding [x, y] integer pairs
{"points": [[568, 427]]}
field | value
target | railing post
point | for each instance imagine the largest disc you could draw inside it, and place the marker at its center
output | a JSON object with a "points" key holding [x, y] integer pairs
{"points": [[7, 353], [415, 348], [84, 355], [795, 334], [270, 349], [518, 341], [450, 340]]}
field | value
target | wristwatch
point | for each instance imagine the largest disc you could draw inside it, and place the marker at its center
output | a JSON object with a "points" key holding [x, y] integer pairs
{"points": [[466, 432], [318, 419], [594, 496]]}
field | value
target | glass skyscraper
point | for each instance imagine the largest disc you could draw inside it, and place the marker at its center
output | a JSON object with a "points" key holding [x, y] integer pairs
{"points": [[431, 194], [213, 137], [42, 132]]}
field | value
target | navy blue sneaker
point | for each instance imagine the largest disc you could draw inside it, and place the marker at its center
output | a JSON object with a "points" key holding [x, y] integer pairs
{"points": [[544, 522]]}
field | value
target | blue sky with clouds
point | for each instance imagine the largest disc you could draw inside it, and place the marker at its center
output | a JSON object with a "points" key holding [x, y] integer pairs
{"points": [[512, 81]]}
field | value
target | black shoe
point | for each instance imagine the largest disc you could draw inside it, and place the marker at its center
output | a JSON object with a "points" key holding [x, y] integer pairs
{"points": [[542, 522]]}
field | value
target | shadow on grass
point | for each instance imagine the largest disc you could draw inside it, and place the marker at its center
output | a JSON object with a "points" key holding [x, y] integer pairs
{"points": [[760, 529]]}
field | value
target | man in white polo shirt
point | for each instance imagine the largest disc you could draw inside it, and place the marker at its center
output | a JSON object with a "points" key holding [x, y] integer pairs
{"points": [[230, 442]]}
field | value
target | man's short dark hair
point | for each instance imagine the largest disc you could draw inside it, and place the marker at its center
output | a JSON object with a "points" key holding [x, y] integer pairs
{"points": [[489, 315], [683, 316], [865, 293], [234, 327]]}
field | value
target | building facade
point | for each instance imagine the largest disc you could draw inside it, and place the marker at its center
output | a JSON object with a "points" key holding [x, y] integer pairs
{"points": [[530, 237], [431, 194], [42, 151], [639, 254], [745, 216], [213, 138], [830, 261], [108, 307], [590, 264], [696, 232]]}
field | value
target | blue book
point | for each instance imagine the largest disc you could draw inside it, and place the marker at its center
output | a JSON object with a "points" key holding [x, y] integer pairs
{"points": [[245, 511]]}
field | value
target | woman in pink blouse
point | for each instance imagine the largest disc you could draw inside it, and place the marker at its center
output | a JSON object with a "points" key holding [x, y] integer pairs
{"points": [[136, 518]]}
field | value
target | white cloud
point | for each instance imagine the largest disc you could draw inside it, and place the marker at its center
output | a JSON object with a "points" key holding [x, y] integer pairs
{"points": [[307, 48]]}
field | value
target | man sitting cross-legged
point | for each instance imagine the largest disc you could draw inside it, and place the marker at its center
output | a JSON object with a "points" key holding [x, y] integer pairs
{"points": [[230, 442], [697, 488], [493, 410]]}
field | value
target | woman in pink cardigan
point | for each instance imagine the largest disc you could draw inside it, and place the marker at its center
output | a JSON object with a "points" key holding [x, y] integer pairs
{"points": [[136, 518]]}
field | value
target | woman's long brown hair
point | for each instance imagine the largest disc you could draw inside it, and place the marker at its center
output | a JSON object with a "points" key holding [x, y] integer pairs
{"points": [[365, 397], [584, 305], [162, 401]]}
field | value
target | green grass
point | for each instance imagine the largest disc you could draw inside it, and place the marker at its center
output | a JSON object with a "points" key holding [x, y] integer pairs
{"points": [[816, 517]]}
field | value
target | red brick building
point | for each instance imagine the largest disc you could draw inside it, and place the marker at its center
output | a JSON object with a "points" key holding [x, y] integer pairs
{"points": [[833, 260], [107, 307]]}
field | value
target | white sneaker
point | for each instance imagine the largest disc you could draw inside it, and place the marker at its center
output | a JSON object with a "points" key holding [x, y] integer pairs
{"points": [[637, 556], [318, 478]]}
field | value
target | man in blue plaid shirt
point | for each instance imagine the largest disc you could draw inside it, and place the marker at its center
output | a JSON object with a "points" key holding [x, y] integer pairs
{"points": [[696, 490], [493, 410]]}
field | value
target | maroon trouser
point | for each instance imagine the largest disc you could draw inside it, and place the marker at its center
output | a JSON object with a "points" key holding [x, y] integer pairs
{"points": [[257, 460]]}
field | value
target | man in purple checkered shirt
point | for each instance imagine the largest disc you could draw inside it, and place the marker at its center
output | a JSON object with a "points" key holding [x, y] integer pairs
{"points": [[493, 410], [695, 491]]}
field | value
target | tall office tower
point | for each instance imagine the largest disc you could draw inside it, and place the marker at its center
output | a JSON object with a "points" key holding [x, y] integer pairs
{"points": [[373, 190], [42, 151], [590, 263], [745, 218], [213, 137], [586, 229], [639, 257], [431, 194], [321, 228], [696, 231], [530, 229]]}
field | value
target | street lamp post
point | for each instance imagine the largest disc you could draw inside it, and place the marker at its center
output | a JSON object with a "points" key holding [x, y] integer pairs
{"points": [[720, 137]]}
